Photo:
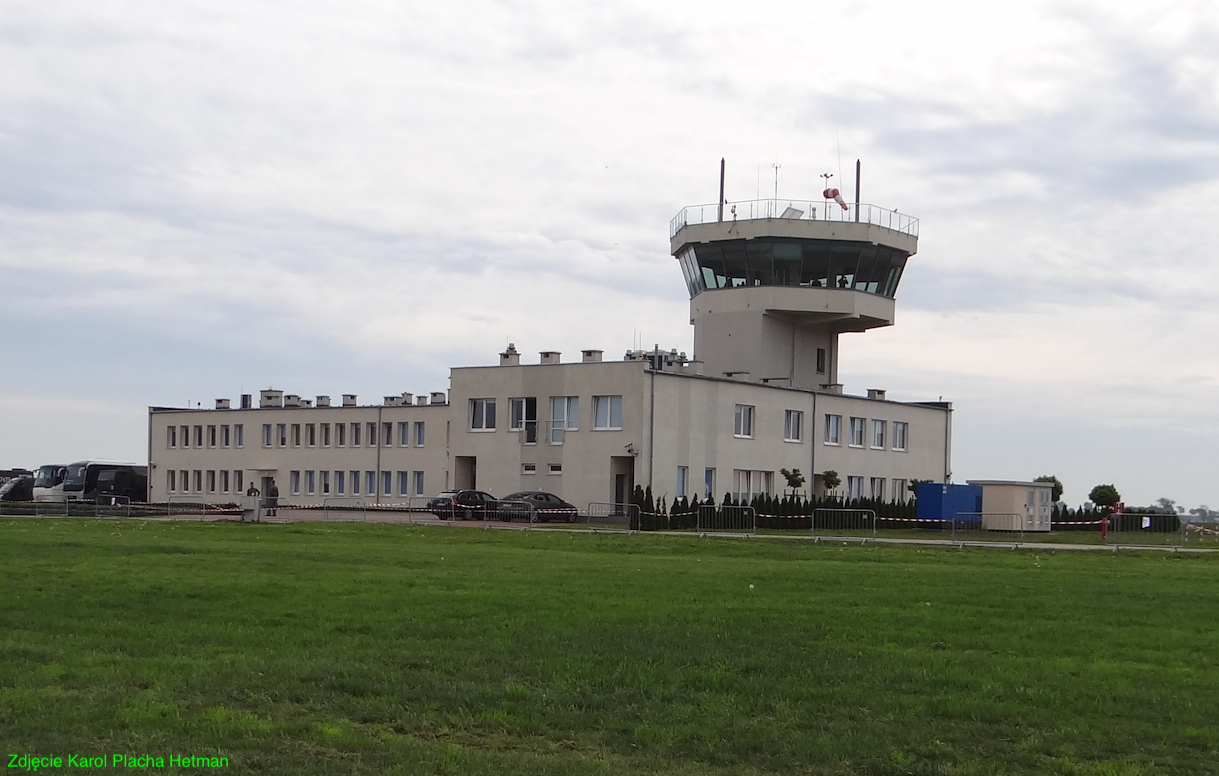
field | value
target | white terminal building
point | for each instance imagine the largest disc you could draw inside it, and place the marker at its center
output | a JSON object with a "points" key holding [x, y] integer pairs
{"points": [[773, 284]]}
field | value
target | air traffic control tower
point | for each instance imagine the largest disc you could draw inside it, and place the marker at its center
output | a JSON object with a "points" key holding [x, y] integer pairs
{"points": [[774, 282]]}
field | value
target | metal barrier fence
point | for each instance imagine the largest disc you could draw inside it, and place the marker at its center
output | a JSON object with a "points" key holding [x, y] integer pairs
{"points": [[112, 506], [344, 509], [1200, 534], [625, 517], [844, 523], [988, 527], [727, 518], [1145, 530]]}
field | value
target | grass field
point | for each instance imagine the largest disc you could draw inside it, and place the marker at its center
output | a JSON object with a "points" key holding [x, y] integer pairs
{"points": [[337, 649]]}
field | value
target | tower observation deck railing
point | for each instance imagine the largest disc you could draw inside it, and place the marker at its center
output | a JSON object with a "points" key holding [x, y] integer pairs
{"points": [[796, 210]]}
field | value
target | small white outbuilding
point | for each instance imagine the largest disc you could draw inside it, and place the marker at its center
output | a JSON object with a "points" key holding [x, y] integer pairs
{"points": [[1009, 505]]}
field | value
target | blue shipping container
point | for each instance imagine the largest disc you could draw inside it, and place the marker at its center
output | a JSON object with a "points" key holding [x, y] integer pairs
{"points": [[941, 502]]}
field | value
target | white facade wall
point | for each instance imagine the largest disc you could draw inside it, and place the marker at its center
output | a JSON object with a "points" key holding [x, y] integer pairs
{"points": [[256, 460]]}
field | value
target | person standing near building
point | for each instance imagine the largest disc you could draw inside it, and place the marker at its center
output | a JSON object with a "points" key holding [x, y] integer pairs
{"points": [[272, 498]]}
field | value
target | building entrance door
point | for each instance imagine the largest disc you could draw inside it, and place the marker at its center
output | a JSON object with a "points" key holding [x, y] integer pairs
{"points": [[465, 472], [622, 477]]}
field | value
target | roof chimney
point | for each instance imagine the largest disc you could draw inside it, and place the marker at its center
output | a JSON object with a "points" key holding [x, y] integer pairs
{"points": [[438, 397], [270, 398], [591, 356], [510, 356], [222, 404], [550, 356], [323, 401], [876, 393], [349, 400]]}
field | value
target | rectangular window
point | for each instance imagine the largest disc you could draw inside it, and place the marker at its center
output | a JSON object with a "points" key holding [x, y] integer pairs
{"points": [[309, 482], [529, 468], [387, 482], [211, 436], [238, 483], [325, 482], [281, 432], [355, 434], [878, 434], [370, 483], [296, 435], [185, 443], [340, 482], [793, 425], [311, 434], [854, 487], [523, 417], [418, 483], [224, 480], [224, 436], [171, 436], [171, 480], [742, 425], [747, 484], [420, 436], [555, 468], [198, 476], [198, 436], [856, 432], [683, 475], [355, 483], [901, 432], [482, 414], [403, 482], [820, 361], [266, 434], [899, 490], [184, 480], [404, 434], [607, 412], [372, 434], [564, 417], [238, 435], [294, 482], [878, 488], [708, 483], [833, 429], [325, 435], [387, 434], [340, 434]]}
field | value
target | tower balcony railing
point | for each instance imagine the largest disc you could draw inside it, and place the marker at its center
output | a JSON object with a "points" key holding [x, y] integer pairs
{"points": [[794, 210]]}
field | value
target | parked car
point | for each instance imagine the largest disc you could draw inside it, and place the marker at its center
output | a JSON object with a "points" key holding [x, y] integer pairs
{"points": [[18, 489], [462, 504], [546, 506]]}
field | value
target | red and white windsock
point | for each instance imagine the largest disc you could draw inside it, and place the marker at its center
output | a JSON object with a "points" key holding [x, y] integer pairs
{"points": [[835, 195]]}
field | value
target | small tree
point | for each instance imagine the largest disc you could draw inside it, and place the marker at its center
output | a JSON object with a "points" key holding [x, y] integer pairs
{"points": [[830, 479], [794, 478], [1056, 494], [913, 485], [1105, 496]]}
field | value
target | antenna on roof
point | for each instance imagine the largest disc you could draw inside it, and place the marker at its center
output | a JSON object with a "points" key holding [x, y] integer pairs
{"points": [[776, 165]]}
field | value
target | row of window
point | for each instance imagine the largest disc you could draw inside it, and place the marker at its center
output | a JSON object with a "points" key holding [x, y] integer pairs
{"points": [[214, 436], [564, 416], [345, 434], [201, 481], [793, 429], [347, 483], [747, 483]]}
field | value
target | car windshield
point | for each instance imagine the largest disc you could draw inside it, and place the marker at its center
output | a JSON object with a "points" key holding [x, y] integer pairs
{"points": [[449, 494]]}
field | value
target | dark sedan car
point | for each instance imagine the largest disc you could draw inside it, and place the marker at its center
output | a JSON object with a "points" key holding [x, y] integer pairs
{"points": [[546, 506], [18, 489], [462, 504]]}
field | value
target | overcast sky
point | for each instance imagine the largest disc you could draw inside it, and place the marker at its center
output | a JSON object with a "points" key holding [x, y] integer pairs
{"points": [[201, 199]]}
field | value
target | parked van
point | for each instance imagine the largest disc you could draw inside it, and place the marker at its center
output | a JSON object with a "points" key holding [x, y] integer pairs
{"points": [[86, 480]]}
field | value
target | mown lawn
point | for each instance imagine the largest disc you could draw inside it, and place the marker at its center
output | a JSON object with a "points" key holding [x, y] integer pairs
{"points": [[337, 648]]}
